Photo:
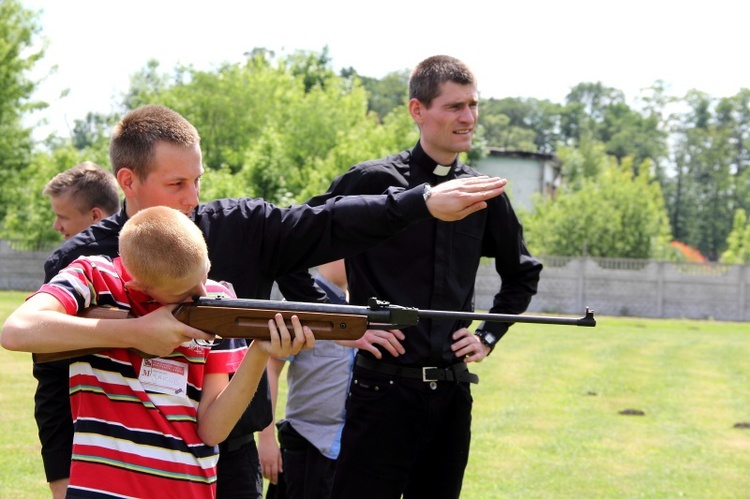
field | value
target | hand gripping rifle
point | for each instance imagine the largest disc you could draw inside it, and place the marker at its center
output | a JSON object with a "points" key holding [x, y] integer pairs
{"points": [[243, 318]]}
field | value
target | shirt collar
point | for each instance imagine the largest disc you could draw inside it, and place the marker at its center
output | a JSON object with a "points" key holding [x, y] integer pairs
{"points": [[429, 165], [442, 170]]}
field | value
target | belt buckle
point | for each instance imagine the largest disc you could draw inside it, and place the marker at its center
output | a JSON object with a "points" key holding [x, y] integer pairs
{"points": [[424, 374]]}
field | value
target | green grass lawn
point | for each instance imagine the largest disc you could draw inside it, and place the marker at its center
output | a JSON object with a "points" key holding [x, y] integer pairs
{"points": [[547, 419]]}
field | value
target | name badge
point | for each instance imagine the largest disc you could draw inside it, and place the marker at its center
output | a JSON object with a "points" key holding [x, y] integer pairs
{"points": [[164, 376]]}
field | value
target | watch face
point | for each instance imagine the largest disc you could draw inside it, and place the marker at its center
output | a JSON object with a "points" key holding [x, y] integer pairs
{"points": [[487, 338]]}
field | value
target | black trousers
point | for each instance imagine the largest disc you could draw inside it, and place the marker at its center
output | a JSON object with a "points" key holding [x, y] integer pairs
{"points": [[53, 419], [308, 474], [238, 471], [403, 436]]}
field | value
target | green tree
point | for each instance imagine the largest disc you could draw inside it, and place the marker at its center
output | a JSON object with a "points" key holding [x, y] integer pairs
{"points": [[93, 131], [596, 112], [702, 198], [386, 94], [522, 124], [628, 133], [733, 113], [148, 83], [584, 109], [368, 139], [499, 133], [738, 241], [19, 52], [582, 164], [611, 213], [314, 68], [271, 125]]}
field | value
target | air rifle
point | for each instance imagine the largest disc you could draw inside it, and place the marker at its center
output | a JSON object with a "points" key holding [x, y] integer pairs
{"points": [[243, 318]]}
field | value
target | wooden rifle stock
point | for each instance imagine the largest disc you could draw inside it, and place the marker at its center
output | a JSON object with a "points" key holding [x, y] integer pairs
{"points": [[243, 318]]}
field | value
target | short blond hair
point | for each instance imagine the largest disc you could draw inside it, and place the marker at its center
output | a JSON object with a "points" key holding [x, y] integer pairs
{"points": [[159, 245], [89, 186]]}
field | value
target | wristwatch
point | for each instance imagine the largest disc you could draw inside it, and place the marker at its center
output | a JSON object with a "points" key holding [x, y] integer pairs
{"points": [[426, 191], [487, 338]]}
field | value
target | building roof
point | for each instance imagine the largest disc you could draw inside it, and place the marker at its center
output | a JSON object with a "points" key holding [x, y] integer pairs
{"points": [[497, 151]]}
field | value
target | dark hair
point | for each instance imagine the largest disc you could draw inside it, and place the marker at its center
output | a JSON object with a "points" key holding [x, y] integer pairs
{"points": [[425, 80], [135, 137]]}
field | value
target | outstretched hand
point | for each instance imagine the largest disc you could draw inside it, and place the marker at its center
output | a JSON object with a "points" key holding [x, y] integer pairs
{"points": [[458, 198]]}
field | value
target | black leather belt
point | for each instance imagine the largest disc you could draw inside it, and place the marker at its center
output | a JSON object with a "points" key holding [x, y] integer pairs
{"points": [[234, 443], [458, 373]]}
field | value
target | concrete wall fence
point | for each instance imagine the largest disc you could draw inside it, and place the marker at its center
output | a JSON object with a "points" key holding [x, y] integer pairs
{"points": [[21, 270], [609, 286], [630, 287]]}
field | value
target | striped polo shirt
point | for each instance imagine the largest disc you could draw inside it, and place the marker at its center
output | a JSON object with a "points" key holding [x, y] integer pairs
{"points": [[133, 439]]}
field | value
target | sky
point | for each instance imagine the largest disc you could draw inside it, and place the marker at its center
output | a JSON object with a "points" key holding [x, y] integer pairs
{"points": [[523, 48]]}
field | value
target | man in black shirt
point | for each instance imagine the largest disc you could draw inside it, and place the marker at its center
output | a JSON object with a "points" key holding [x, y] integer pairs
{"points": [[408, 417], [156, 157]]}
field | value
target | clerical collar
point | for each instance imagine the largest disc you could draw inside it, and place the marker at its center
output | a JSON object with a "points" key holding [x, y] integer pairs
{"points": [[442, 170], [427, 164]]}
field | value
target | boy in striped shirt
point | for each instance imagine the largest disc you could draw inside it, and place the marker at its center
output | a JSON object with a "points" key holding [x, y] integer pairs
{"points": [[146, 427]]}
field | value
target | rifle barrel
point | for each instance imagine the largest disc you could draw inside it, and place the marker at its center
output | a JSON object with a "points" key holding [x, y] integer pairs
{"points": [[384, 314], [585, 321]]}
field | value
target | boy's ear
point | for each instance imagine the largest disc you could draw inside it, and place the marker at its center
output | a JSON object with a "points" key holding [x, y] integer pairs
{"points": [[97, 213]]}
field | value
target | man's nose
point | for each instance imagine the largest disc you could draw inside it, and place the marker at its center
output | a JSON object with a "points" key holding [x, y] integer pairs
{"points": [[468, 115], [192, 198]]}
